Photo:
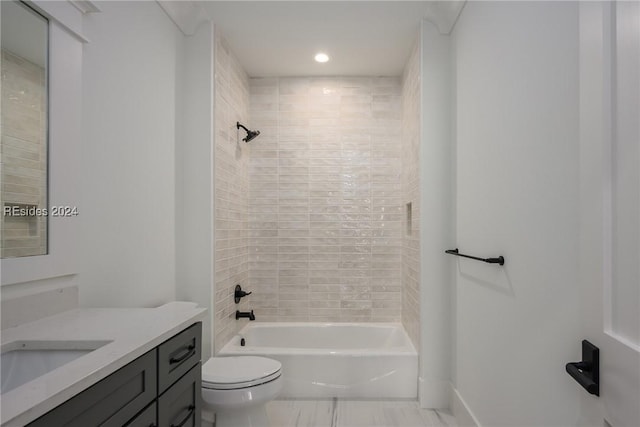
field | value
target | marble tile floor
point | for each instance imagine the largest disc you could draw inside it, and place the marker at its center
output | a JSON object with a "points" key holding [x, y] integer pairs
{"points": [[355, 413]]}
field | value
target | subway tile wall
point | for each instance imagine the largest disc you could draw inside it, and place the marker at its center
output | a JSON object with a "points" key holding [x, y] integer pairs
{"points": [[411, 194], [312, 216], [24, 155], [231, 190], [326, 199]]}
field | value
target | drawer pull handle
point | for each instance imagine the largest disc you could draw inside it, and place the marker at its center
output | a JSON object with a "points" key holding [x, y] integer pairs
{"points": [[188, 352], [191, 409]]}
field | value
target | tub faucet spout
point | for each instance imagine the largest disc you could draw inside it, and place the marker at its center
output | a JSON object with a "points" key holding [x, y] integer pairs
{"points": [[240, 314]]}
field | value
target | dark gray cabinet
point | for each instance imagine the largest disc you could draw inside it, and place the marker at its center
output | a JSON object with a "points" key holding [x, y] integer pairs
{"points": [[160, 388], [146, 418], [111, 402], [178, 355], [180, 405]]}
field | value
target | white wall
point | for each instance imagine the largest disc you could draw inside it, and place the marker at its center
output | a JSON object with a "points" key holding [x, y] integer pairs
{"points": [[194, 180], [517, 190], [436, 222], [128, 156]]}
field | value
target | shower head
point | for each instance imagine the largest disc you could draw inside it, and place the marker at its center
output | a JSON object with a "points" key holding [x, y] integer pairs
{"points": [[251, 134]]}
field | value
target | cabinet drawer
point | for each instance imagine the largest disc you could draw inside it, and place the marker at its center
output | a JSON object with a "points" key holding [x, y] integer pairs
{"points": [[178, 355], [111, 402], [180, 406], [146, 418]]}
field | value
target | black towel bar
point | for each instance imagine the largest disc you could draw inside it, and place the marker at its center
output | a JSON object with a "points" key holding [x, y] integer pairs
{"points": [[498, 260]]}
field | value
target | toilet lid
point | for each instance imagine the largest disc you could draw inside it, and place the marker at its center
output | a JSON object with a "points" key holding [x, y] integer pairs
{"points": [[225, 373]]}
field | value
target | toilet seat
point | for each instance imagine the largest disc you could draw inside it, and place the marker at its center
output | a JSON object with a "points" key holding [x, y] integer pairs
{"points": [[237, 372]]}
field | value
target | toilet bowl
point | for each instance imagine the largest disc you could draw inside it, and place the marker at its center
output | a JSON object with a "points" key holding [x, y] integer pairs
{"points": [[237, 388]]}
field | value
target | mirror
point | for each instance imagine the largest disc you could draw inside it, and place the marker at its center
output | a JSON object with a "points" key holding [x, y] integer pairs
{"points": [[23, 124]]}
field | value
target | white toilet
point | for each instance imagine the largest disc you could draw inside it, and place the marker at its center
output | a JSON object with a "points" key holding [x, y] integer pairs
{"points": [[237, 389]]}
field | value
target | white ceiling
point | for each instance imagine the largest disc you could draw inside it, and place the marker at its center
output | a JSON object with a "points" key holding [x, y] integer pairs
{"points": [[280, 38]]}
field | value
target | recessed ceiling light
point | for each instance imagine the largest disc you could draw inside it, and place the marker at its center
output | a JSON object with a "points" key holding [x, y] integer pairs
{"points": [[321, 57]]}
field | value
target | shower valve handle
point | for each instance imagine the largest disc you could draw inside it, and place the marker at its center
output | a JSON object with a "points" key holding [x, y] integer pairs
{"points": [[239, 293]]}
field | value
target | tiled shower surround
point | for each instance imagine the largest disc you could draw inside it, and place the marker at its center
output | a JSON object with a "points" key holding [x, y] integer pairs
{"points": [[311, 215], [325, 201], [231, 190], [411, 193]]}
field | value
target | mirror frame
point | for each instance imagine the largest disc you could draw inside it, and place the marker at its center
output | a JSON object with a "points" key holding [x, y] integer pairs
{"points": [[65, 133]]}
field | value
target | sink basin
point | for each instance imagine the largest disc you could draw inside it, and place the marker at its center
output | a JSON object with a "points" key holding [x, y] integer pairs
{"points": [[23, 361]]}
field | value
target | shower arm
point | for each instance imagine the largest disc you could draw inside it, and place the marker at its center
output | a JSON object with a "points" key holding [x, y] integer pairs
{"points": [[251, 134]]}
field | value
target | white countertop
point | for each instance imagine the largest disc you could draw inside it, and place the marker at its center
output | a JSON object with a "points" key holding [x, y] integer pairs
{"points": [[132, 332]]}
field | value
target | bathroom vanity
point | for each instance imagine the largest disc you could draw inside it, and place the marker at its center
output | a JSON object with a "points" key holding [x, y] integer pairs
{"points": [[145, 371]]}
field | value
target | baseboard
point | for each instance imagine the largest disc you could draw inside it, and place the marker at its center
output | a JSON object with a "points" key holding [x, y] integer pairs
{"points": [[461, 411], [434, 394]]}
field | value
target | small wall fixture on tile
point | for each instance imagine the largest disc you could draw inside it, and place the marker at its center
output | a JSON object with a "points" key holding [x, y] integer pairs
{"points": [[408, 208]]}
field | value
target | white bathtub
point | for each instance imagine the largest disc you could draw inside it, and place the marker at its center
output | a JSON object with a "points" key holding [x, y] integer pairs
{"points": [[323, 360]]}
